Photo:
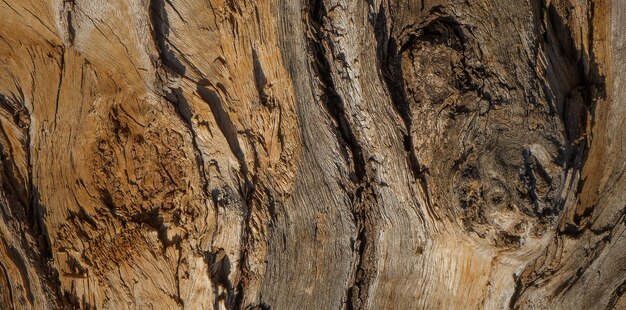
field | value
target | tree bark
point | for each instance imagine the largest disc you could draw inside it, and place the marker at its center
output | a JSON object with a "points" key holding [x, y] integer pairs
{"points": [[312, 154]]}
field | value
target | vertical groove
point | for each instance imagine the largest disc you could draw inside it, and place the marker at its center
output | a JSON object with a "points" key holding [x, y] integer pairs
{"points": [[361, 192]]}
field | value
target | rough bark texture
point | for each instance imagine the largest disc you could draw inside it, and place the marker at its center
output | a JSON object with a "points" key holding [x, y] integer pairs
{"points": [[312, 154]]}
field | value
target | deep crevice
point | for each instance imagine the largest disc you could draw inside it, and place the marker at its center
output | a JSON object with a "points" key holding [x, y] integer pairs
{"points": [[390, 56], [160, 32], [176, 67], [591, 87], [361, 193], [333, 103], [30, 211]]}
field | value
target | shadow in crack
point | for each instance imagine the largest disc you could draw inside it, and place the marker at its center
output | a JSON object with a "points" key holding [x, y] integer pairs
{"points": [[161, 31]]}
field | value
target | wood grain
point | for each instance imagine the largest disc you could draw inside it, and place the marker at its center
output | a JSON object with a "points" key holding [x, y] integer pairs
{"points": [[312, 154]]}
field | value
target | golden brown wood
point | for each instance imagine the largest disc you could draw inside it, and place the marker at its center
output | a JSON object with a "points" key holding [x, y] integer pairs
{"points": [[312, 154]]}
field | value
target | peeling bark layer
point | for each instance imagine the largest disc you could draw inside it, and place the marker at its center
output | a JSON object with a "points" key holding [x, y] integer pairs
{"points": [[312, 154]]}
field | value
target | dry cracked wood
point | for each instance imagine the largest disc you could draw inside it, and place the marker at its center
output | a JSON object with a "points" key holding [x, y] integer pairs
{"points": [[312, 154]]}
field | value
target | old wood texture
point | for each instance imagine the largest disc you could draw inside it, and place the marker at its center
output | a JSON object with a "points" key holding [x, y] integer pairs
{"points": [[312, 154]]}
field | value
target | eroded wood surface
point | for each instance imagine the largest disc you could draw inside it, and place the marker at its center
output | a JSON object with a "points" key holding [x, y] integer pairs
{"points": [[312, 154]]}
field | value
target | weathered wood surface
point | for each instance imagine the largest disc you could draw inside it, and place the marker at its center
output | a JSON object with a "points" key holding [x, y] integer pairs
{"points": [[312, 154]]}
